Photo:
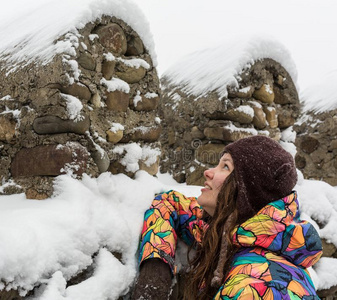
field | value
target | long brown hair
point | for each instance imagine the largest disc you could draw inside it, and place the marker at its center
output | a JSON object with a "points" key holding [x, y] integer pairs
{"points": [[205, 262]]}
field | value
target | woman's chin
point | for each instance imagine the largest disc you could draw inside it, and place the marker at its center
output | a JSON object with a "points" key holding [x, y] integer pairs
{"points": [[200, 199]]}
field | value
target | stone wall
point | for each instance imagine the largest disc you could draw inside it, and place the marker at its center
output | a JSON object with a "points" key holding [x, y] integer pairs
{"points": [[316, 157], [84, 111], [196, 128], [316, 144], [329, 250]]}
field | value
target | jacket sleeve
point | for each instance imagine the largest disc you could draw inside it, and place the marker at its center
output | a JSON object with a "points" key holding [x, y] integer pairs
{"points": [[170, 215]]}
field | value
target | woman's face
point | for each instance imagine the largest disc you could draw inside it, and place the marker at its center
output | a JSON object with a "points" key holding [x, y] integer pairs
{"points": [[215, 177]]}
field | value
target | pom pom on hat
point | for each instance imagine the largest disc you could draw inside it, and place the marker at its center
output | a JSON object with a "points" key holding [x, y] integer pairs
{"points": [[265, 172]]}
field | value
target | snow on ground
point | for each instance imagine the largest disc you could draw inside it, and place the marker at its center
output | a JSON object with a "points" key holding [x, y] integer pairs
{"points": [[29, 28], [49, 241], [216, 68], [322, 95]]}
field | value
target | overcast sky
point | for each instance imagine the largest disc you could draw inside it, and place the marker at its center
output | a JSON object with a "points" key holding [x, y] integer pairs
{"points": [[308, 28]]}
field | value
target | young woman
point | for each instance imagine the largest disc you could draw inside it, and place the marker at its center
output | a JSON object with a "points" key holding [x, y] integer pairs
{"points": [[245, 226]]}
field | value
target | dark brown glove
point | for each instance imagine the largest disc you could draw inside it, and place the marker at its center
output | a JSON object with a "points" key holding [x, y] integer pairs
{"points": [[154, 281]]}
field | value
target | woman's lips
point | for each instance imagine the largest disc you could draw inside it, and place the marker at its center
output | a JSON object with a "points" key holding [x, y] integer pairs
{"points": [[206, 187]]}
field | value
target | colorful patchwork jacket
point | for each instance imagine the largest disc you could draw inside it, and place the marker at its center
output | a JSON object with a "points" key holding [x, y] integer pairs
{"points": [[275, 246]]}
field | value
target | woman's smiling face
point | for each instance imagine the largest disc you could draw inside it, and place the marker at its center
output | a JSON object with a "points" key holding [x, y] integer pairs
{"points": [[215, 178]]}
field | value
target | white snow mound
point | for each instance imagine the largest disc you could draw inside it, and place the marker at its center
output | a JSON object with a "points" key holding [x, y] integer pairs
{"points": [[215, 68], [321, 96], [29, 28]]}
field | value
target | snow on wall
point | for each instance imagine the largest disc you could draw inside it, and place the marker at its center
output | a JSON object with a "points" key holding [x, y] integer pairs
{"points": [[214, 69], [47, 242], [30, 33], [321, 96]]}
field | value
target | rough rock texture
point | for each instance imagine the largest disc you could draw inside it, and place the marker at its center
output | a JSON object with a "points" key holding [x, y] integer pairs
{"points": [[329, 250], [317, 146], [51, 160], [77, 99], [196, 128], [10, 295]]}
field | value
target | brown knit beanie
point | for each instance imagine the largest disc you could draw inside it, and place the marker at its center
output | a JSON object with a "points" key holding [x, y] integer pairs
{"points": [[264, 170]]}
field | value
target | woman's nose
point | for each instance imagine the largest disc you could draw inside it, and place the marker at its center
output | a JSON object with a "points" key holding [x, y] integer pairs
{"points": [[209, 173]]}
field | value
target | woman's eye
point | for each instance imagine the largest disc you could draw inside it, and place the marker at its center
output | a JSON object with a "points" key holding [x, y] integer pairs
{"points": [[226, 167]]}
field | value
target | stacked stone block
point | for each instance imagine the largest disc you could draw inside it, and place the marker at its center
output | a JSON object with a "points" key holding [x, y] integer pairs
{"points": [[68, 115], [316, 146], [316, 157], [197, 127]]}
